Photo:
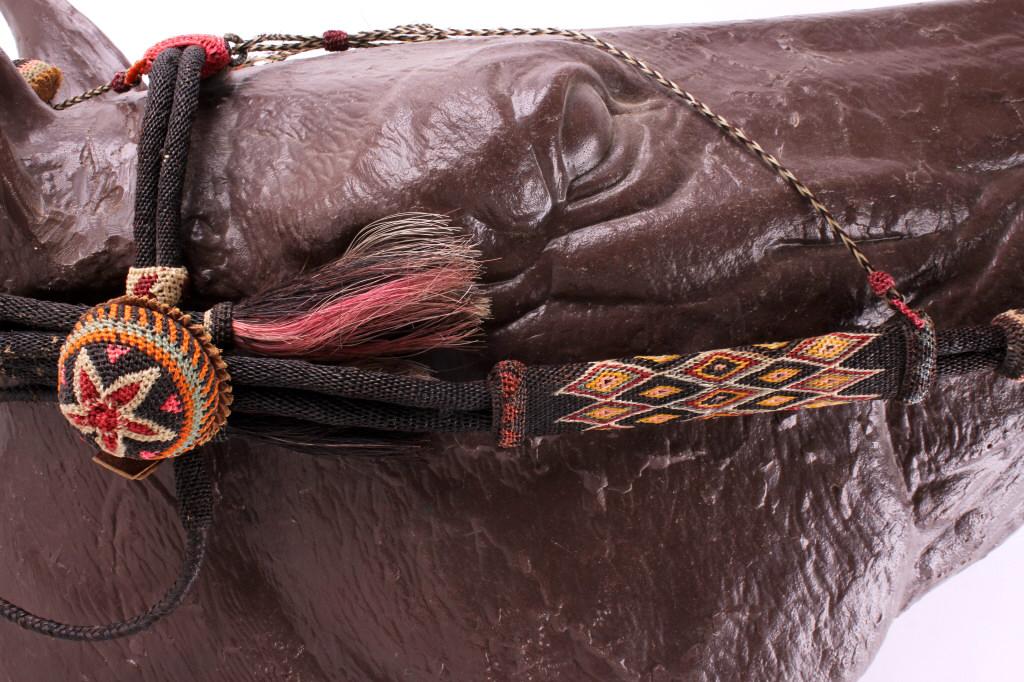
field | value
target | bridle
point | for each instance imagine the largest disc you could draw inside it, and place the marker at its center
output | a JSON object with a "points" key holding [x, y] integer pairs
{"points": [[146, 381]]}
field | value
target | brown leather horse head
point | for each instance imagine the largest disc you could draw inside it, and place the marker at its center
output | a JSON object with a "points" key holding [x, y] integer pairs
{"points": [[614, 221]]}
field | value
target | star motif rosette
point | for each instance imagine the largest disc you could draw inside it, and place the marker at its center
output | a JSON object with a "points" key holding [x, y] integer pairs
{"points": [[141, 381], [112, 413]]}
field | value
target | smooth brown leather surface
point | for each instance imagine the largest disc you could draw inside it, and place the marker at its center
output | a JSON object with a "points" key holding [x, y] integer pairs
{"points": [[615, 221]]}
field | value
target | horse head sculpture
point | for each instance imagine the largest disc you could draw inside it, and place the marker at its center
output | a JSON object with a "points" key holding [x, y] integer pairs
{"points": [[612, 221]]}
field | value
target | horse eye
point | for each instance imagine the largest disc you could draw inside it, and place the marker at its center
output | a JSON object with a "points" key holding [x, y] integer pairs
{"points": [[587, 132]]}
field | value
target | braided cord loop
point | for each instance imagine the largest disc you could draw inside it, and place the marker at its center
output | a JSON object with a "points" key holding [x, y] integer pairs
{"points": [[194, 487]]}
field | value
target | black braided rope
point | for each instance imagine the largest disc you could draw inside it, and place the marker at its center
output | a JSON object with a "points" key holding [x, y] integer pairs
{"points": [[194, 487], [340, 412], [39, 315], [175, 156], [978, 339], [967, 350], [27, 372], [160, 95], [27, 356], [358, 384], [968, 363], [30, 346], [54, 316]]}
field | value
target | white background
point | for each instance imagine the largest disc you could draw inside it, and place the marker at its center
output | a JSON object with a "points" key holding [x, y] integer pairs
{"points": [[969, 629]]}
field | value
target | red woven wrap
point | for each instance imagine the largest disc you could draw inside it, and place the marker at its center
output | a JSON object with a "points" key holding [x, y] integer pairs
{"points": [[217, 57], [881, 282], [335, 41], [217, 54]]}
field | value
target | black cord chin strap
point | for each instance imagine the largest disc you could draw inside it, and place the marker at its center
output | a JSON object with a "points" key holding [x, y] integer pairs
{"points": [[163, 153], [194, 487]]}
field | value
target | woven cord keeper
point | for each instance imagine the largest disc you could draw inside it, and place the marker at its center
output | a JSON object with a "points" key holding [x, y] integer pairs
{"points": [[508, 402], [217, 320], [1012, 324], [921, 359], [159, 283]]}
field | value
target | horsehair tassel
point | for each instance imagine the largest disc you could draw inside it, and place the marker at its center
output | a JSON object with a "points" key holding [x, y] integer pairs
{"points": [[407, 284]]}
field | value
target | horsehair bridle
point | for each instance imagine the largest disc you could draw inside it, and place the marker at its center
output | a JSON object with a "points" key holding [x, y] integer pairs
{"points": [[147, 381]]}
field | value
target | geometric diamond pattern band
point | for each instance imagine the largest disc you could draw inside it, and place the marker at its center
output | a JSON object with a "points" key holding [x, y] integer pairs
{"points": [[656, 389], [820, 371]]}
